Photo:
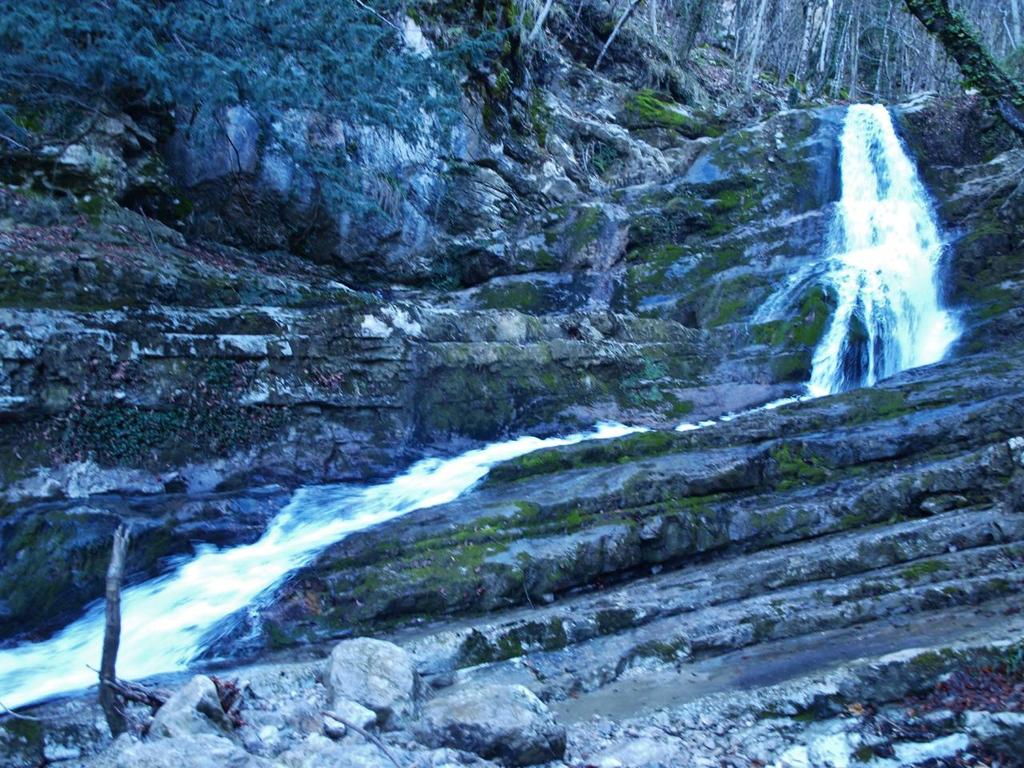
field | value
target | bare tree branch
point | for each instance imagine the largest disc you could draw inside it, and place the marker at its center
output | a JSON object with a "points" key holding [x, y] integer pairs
{"points": [[977, 65], [380, 16], [539, 24], [7, 712], [366, 735]]}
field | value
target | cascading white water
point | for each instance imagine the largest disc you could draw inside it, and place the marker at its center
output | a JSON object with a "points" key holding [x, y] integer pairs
{"points": [[881, 264], [168, 621]]}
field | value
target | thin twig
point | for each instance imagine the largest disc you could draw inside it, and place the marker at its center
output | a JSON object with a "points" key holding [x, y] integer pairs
{"points": [[14, 143], [366, 735], [383, 18], [8, 712]]}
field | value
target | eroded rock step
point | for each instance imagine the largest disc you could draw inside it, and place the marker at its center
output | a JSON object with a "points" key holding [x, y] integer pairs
{"points": [[666, 621], [774, 662], [529, 540], [805, 702], [877, 561]]}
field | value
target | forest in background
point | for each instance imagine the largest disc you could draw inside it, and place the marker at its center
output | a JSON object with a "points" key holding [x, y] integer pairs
{"points": [[857, 50]]}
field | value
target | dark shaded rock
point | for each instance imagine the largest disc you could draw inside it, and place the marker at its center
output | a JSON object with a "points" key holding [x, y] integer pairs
{"points": [[507, 723]]}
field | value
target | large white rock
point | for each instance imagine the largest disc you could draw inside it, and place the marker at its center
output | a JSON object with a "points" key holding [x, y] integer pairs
{"points": [[1001, 732], [376, 674], [505, 722], [192, 710]]}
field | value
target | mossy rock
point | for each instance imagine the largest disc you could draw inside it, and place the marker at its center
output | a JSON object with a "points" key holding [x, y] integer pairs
{"points": [[796, 465], [807, 326], [522, 296], [648, 109]]}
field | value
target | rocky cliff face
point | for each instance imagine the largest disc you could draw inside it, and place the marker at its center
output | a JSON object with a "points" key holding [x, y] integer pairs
{"points": [[138, 362]]}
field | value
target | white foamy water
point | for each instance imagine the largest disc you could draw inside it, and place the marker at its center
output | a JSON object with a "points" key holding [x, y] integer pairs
{"points": [[882, 264], [168, 621]]}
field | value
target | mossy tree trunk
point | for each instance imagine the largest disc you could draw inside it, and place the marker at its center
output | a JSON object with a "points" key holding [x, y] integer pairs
{"points": [[980, 70]]}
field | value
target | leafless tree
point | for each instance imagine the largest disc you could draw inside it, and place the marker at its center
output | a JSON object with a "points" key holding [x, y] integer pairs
{"points": [[110, 700]]}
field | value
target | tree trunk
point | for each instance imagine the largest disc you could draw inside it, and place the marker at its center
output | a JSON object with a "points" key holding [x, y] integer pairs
{"points": [[855, 58], [622, 20], [979, 69], [113, 706], [1015, 16], [539, 24], [695, 18], [755, 44], [825, 36], [884, 58], [810, 10]]}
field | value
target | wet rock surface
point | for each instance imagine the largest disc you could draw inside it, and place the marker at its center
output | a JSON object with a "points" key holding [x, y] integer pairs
{"points": [[827, 583], [192, 711]]}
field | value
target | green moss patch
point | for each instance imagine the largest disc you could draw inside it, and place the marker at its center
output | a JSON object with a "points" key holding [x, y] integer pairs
{"points": [[521, 296], [922, 569], [797, 466], [647, 109]]}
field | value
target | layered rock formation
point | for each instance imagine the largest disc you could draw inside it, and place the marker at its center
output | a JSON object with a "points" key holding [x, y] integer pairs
{"points": [[589, 249]]}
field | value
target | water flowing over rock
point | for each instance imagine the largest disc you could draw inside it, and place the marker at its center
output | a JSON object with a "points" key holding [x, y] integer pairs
{"points": [[881, 265], [779, 579], [158, 640]]}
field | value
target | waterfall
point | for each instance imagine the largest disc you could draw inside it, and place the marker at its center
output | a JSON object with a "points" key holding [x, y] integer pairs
{"points": [[881, 264], [168, 621]]}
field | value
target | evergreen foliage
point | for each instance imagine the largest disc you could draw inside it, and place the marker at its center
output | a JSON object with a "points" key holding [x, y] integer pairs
{"points": [[337, 59]]}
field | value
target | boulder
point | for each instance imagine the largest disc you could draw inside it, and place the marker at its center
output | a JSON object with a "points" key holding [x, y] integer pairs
{"points": [[505, 722], [999, 732], [200, 751], [375, 674], [192, 711]]}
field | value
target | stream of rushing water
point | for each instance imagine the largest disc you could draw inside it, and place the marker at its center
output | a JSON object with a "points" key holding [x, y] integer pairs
{"points": [[881, 263], [166, 622]]}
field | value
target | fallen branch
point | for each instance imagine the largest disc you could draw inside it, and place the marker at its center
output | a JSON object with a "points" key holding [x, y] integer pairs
{"points": [[14, 143], [140, 694], [622, 20], [380, 16], [7, 712], [366, 735]]}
